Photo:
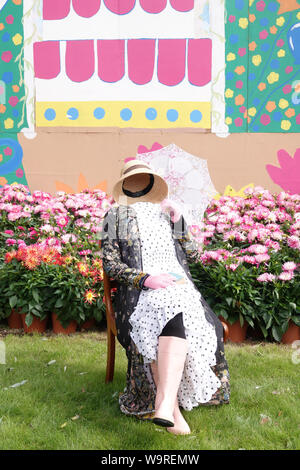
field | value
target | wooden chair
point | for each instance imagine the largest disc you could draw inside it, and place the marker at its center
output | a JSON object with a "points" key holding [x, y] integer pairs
{"points": [[112, 331]]}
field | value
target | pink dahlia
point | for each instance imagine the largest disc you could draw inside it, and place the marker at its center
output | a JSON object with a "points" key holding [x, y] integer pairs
{"points": [[266, 277], [289, 266], [293, 242], [262, 258], [11, 241], [258, 249], [286, 276], [62, 220]]}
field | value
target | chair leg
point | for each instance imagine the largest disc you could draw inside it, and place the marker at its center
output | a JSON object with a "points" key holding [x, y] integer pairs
{"points": [[111, 349]]}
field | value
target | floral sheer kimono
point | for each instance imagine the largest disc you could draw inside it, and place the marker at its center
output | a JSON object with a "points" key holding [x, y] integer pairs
{"points": [[122, 261]]}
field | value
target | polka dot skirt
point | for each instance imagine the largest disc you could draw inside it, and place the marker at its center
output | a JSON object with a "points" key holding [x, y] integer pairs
{"points": [[156, 307]]}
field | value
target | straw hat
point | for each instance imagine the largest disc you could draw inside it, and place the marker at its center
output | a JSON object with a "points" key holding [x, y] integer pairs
{"points": [[134, 177]]}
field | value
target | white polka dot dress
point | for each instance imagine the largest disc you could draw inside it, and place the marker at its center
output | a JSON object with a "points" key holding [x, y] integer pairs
{"points": [[156, 307]]}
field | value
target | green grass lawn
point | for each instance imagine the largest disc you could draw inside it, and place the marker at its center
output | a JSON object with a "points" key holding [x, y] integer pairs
{"points": [[66, 405]]}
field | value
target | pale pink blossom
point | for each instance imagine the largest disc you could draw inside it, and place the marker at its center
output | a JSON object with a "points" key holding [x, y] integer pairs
{"points": [[286, 276], [289, 266], [258, 249], [293, 242], [266, 277], [262, 258]]}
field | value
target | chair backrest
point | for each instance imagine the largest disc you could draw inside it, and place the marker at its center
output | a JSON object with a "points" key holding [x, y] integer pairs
{"points": [[110, 314]]}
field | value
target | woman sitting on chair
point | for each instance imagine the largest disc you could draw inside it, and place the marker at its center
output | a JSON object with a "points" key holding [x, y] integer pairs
{"points": [[173, 340]]}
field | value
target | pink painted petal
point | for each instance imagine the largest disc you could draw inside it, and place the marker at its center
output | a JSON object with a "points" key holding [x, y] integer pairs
{"points": [[56, 9], [85, 8], [285, 160], [171, 61], [297, 158], [288, 181], [278, 176], [80, 60], [111, 61], [144, 149], [46, 57], [199, 61], [153, 6], [182, 5], [120, 7], [141, 57]]}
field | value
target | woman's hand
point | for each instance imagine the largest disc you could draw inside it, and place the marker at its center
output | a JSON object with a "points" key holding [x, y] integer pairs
{"points": [[170, 206], [157, 282]]}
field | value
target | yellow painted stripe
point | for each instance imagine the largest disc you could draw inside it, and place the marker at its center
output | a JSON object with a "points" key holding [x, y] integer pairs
{"points": [[137, 114]]}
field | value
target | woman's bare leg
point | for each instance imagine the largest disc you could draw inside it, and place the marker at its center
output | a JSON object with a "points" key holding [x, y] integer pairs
{"points": [[180, 425]]}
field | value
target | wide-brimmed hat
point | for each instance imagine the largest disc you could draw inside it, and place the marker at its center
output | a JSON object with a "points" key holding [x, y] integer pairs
{"points": [[158, 192]]}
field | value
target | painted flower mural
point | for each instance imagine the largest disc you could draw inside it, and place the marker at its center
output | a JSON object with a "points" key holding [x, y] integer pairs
{"points": [[288, 175]]}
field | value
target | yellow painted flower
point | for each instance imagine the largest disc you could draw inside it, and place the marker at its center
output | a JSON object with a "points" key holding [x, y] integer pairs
{"points": [[230, 191], [8, 123], [229, 93], [239, 70], [285, 125], [250, 3], [243, 23], [280, 21], [256, 60], [228, 120], [283, 103], [273, 77], [17, 39], [252, 111], [298, 15], [281, 53], [231, 56]]}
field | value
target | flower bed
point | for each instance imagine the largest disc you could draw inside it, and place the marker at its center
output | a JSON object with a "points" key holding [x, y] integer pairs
{"points": [[249, 270], [50, 254], [251, 259]]}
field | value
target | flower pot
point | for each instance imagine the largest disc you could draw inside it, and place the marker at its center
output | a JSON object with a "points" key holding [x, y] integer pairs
{"points": [[58, 328], [88, 324], [37, 325], [292, 334], [15, 320], [237, 333]]}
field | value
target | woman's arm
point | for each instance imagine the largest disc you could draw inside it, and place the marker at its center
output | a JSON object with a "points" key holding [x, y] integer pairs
{"points": [[111, 256], [186, 240]]}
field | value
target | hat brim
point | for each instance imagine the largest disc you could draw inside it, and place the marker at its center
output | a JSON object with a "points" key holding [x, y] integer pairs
{"points": [[158, 192]]}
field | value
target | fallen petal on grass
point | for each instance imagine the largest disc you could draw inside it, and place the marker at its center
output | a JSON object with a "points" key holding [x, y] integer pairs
{"points": [[51, 362], [75, 417], [18, 384]]}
